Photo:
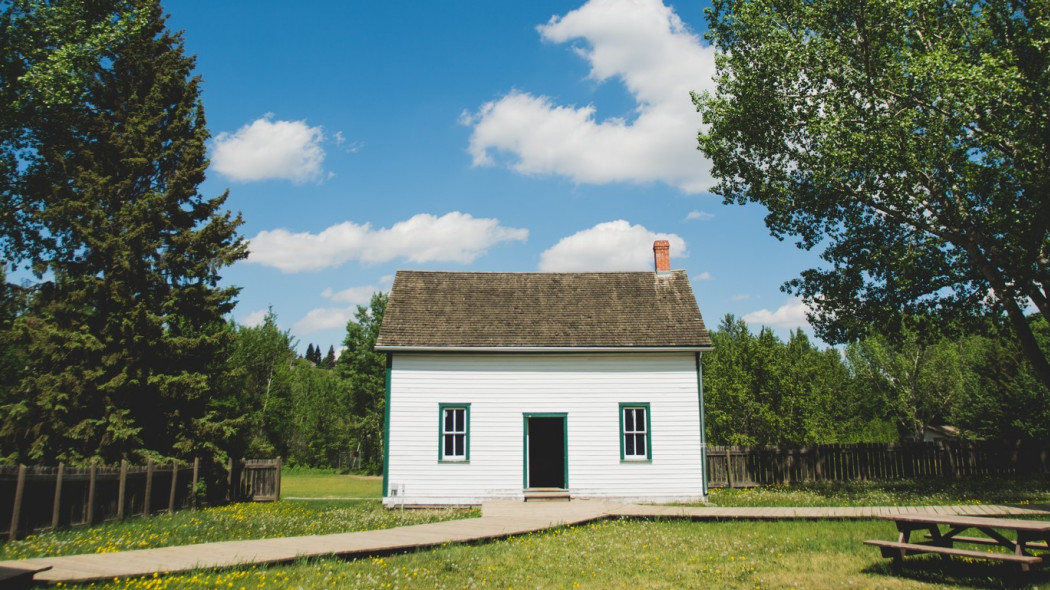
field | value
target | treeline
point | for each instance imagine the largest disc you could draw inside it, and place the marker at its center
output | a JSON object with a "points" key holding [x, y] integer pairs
{"points": [[262, 399], [760, 390], [314, 411]]}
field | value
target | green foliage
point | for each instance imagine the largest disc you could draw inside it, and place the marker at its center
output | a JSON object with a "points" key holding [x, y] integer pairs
{"points": [[124, 336], [260, 373], [365, 371], [919, 383], [908, 139], [759, 390]]}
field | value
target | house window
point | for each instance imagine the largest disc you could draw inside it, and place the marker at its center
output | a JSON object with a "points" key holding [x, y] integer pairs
{"points": [[455, 432], [634, 432]]}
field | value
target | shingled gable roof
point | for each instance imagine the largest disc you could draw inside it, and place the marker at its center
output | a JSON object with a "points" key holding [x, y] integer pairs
{"points": [[597, 310]]}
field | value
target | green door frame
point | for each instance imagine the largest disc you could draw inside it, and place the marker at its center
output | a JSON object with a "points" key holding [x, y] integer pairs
{"points": [[525, 444]]}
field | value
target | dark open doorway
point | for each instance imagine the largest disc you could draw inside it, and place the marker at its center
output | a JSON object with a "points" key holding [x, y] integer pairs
{"points": [[546, 451]]}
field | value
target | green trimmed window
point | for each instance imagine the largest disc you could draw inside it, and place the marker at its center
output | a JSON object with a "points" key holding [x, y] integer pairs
{"points": [[635, 443], [455, 432]]}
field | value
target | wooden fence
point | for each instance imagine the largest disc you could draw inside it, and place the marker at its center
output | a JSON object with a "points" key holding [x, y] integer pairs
{"points": [[40, 498], [738, 467], [33, 498], [254, 480]]}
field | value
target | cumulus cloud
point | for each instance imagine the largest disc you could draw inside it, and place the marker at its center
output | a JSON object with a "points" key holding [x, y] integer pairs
{"points": [[267, 149], [615, 245], [699, 216], [453, 237], [704, 276], [323, 319], [254, 318], [791, 315], [354, 295], [645, 46]]}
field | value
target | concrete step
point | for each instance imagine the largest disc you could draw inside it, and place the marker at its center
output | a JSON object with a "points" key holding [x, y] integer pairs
{"points": [[546, 495]]}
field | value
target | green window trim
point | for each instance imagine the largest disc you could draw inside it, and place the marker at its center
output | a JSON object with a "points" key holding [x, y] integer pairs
{"points": [[453, 433], [633, 432]]}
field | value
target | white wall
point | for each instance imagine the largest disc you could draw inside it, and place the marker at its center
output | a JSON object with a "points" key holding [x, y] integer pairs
{"points": [[586, 387]]}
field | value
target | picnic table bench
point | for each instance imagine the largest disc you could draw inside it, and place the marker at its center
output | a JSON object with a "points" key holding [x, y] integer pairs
{"points": [[1027, 535]]}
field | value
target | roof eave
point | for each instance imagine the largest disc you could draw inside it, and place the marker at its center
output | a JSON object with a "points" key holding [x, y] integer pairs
{"points": [[544, 348]]}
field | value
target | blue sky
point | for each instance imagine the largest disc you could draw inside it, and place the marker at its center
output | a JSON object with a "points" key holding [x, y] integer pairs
{"points": [[359, 137]]}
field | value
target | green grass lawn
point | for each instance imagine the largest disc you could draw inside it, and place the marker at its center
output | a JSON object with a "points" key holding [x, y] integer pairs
{"points": [[915, 492], [633, 554], [319, 484], [608, 554], [223, 523]]}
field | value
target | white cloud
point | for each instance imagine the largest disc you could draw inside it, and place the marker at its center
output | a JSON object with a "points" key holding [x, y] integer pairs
{"points": [[267, 149], [704, 276], [615, 245], [323, 319], [791, 315], [453, 237], [354, 295], [254, 318], [699, 216], [644, 45], [740, 297]]}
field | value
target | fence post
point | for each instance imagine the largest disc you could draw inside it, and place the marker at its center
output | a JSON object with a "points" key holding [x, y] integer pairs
{"points": [[149, 487], [818, 464], [229, 479], [193, 486], [729, 467], [277, 491], [16, 509], [947, 461], [121, 485], [174, 479], [56, 508], [92, 472]]}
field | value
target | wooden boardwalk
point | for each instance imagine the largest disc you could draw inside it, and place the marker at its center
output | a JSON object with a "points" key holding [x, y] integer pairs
{"points": [[499, 520]]}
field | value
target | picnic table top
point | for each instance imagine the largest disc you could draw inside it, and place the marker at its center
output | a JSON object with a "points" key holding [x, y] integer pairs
{"points": [[1039, 526]]}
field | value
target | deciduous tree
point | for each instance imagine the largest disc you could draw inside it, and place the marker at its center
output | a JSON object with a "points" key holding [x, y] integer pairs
{"points": [[909, 139], [365, 370]]}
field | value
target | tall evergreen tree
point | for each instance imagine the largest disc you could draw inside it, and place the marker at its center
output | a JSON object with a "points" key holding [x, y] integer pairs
{"points": [[125, 334], [309, 352], [328, 362]]}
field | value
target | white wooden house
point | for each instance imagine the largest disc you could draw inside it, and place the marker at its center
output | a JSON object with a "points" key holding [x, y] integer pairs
{"points": [[522, 385]]}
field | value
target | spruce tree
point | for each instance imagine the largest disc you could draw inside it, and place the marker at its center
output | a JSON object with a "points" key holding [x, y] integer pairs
{"points": [[125, 336], [329, 359], [309, 352]]}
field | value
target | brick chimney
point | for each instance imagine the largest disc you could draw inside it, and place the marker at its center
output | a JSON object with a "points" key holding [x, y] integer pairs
{"points": [[662, 255]]}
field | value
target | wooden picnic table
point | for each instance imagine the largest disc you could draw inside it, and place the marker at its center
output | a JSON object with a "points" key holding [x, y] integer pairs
{"points": [[1027, 535]]}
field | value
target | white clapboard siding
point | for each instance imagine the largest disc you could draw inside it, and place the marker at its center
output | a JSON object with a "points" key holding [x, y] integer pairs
{"points": [[500, 388]]}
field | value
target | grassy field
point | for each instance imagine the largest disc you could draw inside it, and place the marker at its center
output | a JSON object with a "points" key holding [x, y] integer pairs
{"points": [[609, 554], [223, 523], [323, 484], [633, 554], [890, 493]]}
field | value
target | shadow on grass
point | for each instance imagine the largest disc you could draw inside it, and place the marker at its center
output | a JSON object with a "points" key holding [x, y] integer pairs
{"points": [[971, 573]]}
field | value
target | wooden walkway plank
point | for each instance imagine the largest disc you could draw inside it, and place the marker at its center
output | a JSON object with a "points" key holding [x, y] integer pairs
{"points": [[498, 520]]}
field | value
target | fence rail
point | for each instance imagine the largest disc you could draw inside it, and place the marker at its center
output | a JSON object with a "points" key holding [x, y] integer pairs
{"points": [[33, 498], [738, 467], [38, 498]]}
